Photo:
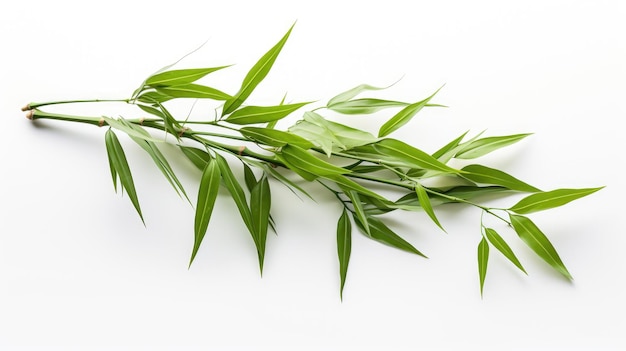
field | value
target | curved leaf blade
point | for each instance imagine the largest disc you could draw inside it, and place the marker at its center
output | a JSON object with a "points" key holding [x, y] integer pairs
{"points": [[539, 243], [380, 232], [344, 247], [350, 93], [195, 91], [550, 199], [274, 137], [256, 74], [236, 192], [403, 116], [483, 259], [424, 201], [496, 240], [304, 160], [262, 114], [207, 194], [417, 158], [485, 175], [180, 76], [260, 203], [364, 106], [198, 157], [484, 146]]}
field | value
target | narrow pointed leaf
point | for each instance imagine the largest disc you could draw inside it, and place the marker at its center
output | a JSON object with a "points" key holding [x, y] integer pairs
{"points": [[344, 247], [180, 76], [484, 146], [198, 157], [236, 192], [441, 153], [207, 193], [130, 131], [424, 201], [274, 137], [403, 116], [538, 242], [349, 184], [350, 93], [262, 114], [411, 155], [358, 209], [111, 156], [485, 175], [550, 199], [249, 177], [380, 232], [260, 203], [364, 106], [152, 97], [256, 74], [195, 91], [118, 159], [304, 160], [284, 180], [496, 240], [151, 110], [483, 258]]}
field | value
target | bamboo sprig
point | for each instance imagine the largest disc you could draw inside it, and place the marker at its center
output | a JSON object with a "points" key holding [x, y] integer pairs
{"points": [[343, 160]]}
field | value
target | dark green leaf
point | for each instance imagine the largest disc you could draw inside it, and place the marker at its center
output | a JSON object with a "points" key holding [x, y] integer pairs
{"points": [[380, 232], [262, 114], [180, 76], [273, 137], [260, 203], [411, 155], [236, 192], [484, 146], [207, 193], [195, 91], [483, 258], [485, 175], [424, 201], [403, 116], [550, 199], [119, 168], [538, 242], [198, 157], [344, 247], [358, 208], [249, 177], [496, 240], [256, 74]]}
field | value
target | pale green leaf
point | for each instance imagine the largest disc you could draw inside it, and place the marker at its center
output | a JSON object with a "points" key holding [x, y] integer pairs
{"points": [[180, 76], [274, 137], [128, 130], [262, 114], [256, 74], [485, 175], [538, 242], [194, 91], [349, 94], [483, 258], [364, 106], [304, 160], [403, 116], [550, 199], [424, 201], [411, 155], [358, 208], [346, 183], [484, 146], [152, 97], [496, 240], [207, 194], [344, 247]]}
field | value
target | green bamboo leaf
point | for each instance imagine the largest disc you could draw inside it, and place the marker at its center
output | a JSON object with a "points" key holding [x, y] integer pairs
{"points": [[207, 193], [538, 242], [180, 76], [306, 175], [304, 160], [249, 177], [260, 203], [195, 91], [550, 199], [151, 110], [483, 258], [424, 201], [380, 232], [159, 159], [350, 93], [446, 149], [348, 184], [256, 74], [152, 97], [282, 179], [415, 157], [485, 175], [274, 137], [364, 106], [117, 124], [198, 157], [118, 162], [344, 247], [319, 136], [358, 208], [484, 146], [236, 192], [262, 114], [341, 135], [496, 240], [111, 157], [403, 116]]}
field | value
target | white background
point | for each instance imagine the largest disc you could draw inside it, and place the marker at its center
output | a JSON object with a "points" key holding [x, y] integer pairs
{"points": [[78, 271]]}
